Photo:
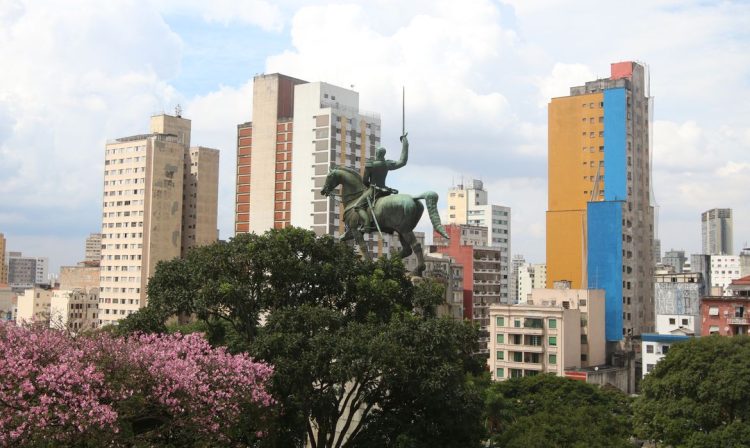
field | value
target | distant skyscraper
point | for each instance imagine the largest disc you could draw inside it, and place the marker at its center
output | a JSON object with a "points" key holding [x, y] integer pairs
{"points": [[299, 130], [3, 266], [469, 205], [531, 276], [148, 209], [93, 248], [717, 233], [600, 233]]}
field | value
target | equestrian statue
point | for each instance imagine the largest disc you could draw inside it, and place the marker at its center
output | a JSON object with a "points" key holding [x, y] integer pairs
{"points": [[371, 206]]}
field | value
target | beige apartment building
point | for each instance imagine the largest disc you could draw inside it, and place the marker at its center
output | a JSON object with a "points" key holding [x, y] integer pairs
{"points": [[526, 340], [590, 303], [82, 276], [155, 208], [554, 331], [34, 306]]}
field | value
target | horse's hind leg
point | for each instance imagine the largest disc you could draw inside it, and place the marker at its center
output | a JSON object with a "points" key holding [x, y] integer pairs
{"points": [[413, 243]]}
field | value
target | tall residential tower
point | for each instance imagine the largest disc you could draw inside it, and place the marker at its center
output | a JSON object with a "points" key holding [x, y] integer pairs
{"points": [[600, 219], [159, 201]]}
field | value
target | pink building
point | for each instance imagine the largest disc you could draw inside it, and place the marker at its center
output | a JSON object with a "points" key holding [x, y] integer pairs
{"points": [[727, 315]]}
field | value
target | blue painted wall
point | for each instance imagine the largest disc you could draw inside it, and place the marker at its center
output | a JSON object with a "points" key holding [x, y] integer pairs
{"points": [[615, 145], [604, 263]]}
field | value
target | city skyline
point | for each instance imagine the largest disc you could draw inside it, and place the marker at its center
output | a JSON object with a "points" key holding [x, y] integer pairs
{"points": [[484, 115]]}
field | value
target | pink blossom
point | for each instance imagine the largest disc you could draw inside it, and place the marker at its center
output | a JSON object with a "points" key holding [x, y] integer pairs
{"points": [[53, 387]]}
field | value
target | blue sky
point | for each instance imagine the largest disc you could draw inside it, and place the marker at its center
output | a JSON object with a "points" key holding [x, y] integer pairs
{"points": [[478, 76]]}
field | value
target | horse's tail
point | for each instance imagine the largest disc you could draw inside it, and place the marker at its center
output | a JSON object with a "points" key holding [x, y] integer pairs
{"points": [[431, 199]]}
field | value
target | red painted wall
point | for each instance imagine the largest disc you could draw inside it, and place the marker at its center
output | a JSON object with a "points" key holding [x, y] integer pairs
{"points": [[464, 255], [621, 70]]}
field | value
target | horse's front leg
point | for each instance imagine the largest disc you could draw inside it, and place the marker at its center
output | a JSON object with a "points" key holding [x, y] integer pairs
{"points": [[360, 239]]}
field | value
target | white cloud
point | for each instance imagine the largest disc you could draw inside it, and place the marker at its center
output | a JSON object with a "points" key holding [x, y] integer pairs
{"points": [[264, 14]]}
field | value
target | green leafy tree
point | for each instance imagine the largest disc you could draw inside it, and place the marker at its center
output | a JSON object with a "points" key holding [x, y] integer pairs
{"points": [[359, 358], [698, 395], [546, 410]]}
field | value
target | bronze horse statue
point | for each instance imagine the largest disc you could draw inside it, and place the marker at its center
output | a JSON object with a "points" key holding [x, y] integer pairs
{"points": [[398, 213]]}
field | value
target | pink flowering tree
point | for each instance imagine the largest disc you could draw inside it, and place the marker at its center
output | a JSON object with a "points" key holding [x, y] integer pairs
{"points": [[104, 390]]}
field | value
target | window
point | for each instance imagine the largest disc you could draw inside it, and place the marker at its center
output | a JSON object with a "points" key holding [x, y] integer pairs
{"points": [[500, 321], [672, 321], [517, 357], [649, 348], [713, 329], [739, 311], [500, 338], [552, 340], [517, 323], [713, 311], [516, 373], [684, 321], [650, 367], [500, 355], [500, 372], [552, 359], [552, 323]]}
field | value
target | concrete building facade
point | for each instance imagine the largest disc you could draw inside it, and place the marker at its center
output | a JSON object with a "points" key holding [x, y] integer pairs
{"points": [[717, 232], [515, 264], [74, 310], [468, 204], [655, 346], [727, 315], [84, 276], [676, 259], [3, 264], [93, 251], [677, 303], [724, 269], [143, 210], [299, 131], [600, 218], [531, 276]]}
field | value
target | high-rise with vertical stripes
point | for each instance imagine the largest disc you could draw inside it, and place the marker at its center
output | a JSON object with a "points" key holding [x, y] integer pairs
{"points": [[298, 131], [600, 217]]}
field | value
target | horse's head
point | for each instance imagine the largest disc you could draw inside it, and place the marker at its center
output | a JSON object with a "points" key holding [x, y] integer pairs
{"points": [[332, 181]]}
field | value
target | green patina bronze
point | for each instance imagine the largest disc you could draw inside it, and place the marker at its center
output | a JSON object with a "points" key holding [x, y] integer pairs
{"points": [[370, 206]]}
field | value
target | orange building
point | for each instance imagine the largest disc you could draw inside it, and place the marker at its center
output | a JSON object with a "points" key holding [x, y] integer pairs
{"points": [[600, 232]]}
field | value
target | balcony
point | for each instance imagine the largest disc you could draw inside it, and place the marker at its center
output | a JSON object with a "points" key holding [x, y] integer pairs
{"points": [[738, 321]]}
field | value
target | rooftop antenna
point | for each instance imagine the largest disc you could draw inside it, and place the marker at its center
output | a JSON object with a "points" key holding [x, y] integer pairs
{"points": [[178, 111]]}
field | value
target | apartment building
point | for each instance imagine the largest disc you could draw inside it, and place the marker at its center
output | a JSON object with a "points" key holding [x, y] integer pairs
{"points": [[600, 217], [153, 209]]}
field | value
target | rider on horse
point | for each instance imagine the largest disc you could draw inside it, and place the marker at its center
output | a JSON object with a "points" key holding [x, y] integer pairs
{"points": [[374, 179]]}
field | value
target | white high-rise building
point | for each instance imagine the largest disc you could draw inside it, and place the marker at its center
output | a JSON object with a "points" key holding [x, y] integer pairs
{"points": [[144, 218], [724, 269], [469, 205]]}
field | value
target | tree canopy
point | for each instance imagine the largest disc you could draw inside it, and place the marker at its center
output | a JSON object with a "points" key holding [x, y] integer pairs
{"points": [[698, 395], [546, 410], [359, 357]]}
